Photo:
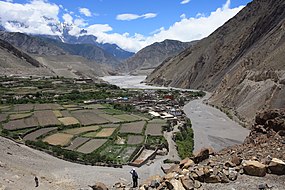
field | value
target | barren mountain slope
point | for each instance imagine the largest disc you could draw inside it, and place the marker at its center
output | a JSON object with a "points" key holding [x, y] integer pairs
{"points": [[14, 61], [151, 56], [242, 62]]}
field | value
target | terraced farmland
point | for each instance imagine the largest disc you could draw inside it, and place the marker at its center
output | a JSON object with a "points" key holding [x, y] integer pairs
{"points": [[94, 125], [77, 142], [154, 129], [66, 121], [80, 130], [91, 145], [135, 127], [36, 134], [61, 139]]}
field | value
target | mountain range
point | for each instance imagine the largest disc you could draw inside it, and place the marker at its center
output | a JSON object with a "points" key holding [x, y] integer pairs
{"points": [[148, 58], [241, 63]]}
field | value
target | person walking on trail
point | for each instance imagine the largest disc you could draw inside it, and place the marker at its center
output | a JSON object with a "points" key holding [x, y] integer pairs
{"points": [[37, 181], [135, 177]]}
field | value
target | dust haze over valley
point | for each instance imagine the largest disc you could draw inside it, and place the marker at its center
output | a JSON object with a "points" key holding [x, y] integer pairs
{"points": [[219, 99]]}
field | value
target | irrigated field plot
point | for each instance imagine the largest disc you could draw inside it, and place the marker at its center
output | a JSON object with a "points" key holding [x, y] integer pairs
{"points": [[48, 107], [34, 135], [136, 127], [154, 129], [160, 121], [19, 116], [66, 121], [135, 139], [127, 117], [111, 118], [57, 113], [61, 139], [21, 123], [105, 132], [77, 131], [46, 118], [91, 145], [3, 116], [88, 117], [126, 154], [23, 107], [77, 142], [95, 106], [65, 113]]}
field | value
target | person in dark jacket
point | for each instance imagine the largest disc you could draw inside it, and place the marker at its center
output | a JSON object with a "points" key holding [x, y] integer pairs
{"points": [[37, 181], [135, 177]]}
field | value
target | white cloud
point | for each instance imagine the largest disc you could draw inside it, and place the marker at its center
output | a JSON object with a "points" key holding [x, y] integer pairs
{"points": [[185, 1], [67, 18], [149, 15], [32, 17], [129, 17], [85, 12]]}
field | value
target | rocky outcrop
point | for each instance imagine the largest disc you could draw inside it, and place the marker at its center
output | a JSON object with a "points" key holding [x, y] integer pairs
{"points": [[242, 62]]}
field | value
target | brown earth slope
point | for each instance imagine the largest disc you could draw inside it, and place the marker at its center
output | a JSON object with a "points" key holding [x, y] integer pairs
{"points": [[15, 61], [242, 62], [148, 58]]}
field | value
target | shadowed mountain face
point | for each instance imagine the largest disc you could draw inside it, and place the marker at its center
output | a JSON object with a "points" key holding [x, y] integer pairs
{"points": [[242, 62], [15, 62], [147, 59]]}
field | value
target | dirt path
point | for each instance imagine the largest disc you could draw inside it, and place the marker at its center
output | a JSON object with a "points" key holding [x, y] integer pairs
{"points": [[212, 127]]}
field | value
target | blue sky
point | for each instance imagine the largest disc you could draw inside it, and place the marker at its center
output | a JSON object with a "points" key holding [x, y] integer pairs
{"points": [[132, 24]]}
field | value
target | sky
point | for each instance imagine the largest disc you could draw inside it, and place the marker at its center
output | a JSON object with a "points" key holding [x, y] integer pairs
{"points": [[131, 24]]}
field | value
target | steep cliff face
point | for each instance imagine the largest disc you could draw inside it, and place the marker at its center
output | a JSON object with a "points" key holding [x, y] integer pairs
{"points": [[242, 62], [148, 58]]}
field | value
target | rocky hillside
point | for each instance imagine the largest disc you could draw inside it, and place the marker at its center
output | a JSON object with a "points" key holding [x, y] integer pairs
{"points": [[14, 61], [256, 164], [242, 62], [31, 45], [148, 58]]}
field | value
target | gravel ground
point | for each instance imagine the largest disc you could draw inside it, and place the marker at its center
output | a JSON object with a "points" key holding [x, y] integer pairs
{"points": [[212, 128], [19, 164]]}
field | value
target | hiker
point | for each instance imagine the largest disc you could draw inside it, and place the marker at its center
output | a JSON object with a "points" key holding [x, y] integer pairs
{"points": [[135, 177], [37, 181]]}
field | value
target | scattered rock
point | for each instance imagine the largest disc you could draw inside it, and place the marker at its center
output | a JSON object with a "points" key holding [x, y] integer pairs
{"points": [[254, 168], [177, 185], [99, 186], [187, 183], [277, 166], [236, 160]]}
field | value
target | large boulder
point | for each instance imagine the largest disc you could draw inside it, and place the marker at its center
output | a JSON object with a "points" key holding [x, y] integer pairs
{"points": [[203, 154], [276, 166], [186, 163], [254, 168]]}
